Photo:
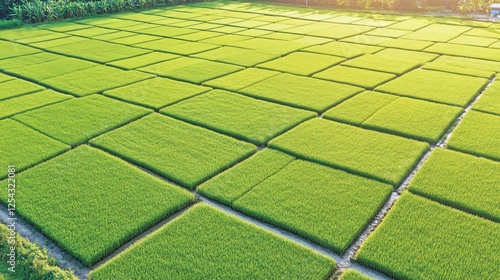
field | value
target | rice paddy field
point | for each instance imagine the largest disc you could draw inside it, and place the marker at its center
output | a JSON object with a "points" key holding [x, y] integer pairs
{"points": [[237, 140]]}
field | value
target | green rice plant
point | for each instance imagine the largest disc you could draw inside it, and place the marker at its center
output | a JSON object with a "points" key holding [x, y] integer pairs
{"points": [[462, 181], [282, 36], [447, 88], [238, 56], [484, 32], [48, 37], [381, 63], [204, 26], [359, 108], [406, 44], [26, 60], [301, 92], [10, 49], [276, 26], [340, 31], [31, 260], [156, 93], [58, 42], [228, 29], [470, 63], [198, 36], [252, 33], [419, 238], [77, 120], [411, 24], [351, 274], [342, 49], [192, 70], [191, 154], [387, 32], [308, 198], [251, 23], [241, 79], [91, 32], [23, 33], [97, 51], [77, 179], [45, 70], [63, 26], [473, 41], [160, 45], [17, 87], [167, 31], [277, 47], [134, 39], [94, 79], [366, 39], [226, 39], [374, 22], [137, 27], [302, 63], [242, 117], [27, 102], [187, 48], [490, 100], [477, 134], [437, 32], [229, 185], [465, 51], [25, 147], [142, 60], [413, 118], [355, 76], [4, 78], [373, 154], [204, 235]]}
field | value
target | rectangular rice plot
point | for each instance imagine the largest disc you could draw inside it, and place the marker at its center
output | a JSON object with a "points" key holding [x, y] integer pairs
{"points": [[12, 49], [419, 238], [187, 154], [58, 42], [198, 36], [25, 147], [478, 134], [94, 80], [342, 49], [4, 78], [388, 32], [413, 118], [238, 56], [406, 44], [447, 88], [437, 33], [359, 108], [437, 66], [135, 39], [156, 93], [388, 64], [204, 235], [377, 155], [241, 79], [351, 274], [302, 63], [411, 24], [90, 219], [91, 32], [23, 32], [233, 183], [25, 60], [473, 41], [142, 60], [463, 62], [45, 70], [239, 116], [270, 45], [307, 198], [192, 70], [17, 87], [167, 31], [465, 51], [77, 120], [484, 32], [462, 181], [226, 39], [375, 22], [27, 102], [48, 37], [113, 37], [355, 76], [97, 51], [301, 92], [490, 100], [62, 26], [366, 39], [340, 31], [420, 57]]}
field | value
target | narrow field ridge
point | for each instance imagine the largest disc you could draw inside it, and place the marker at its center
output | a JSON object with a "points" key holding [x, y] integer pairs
{"points": [[354, 248]]}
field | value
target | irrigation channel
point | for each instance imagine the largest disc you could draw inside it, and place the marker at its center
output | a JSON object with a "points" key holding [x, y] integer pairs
{"points": [[65, 260]]}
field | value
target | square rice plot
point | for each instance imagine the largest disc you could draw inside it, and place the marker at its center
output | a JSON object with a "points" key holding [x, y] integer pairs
{"points": [[189, 69], [490, 100], [462, 181], [241, 79], [478, 134], [301, 92], [142, 60], [179, 151], [381, 156], [206, 243], [386, 64], [420, 237], [302, 63], [31, 101], [94, 80], [355, 76], [238, 56], [12, 49], [16, 87], [327, 206], [26, 60], [447, 88], [156, 93], [242, 117], [25, 147], [41, 71], [437, 32], [77, 120], [343, 49], [89, 218]]}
